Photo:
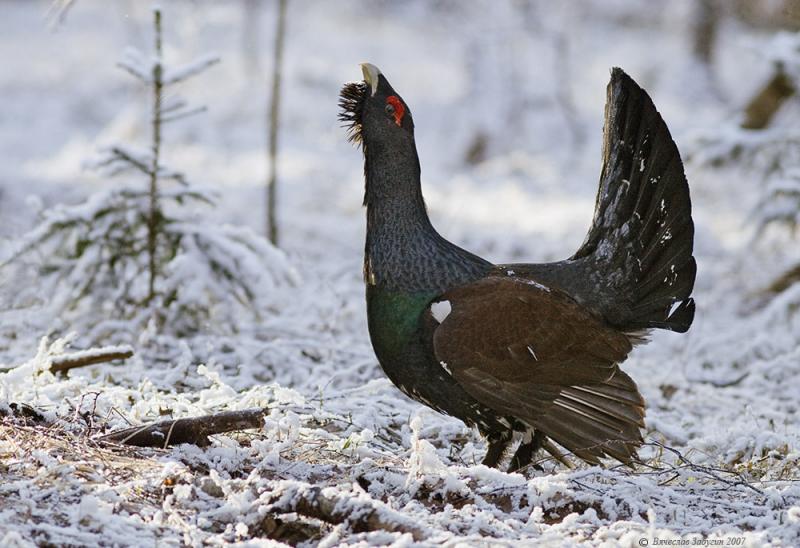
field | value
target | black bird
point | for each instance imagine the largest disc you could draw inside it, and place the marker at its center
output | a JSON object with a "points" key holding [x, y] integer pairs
{"points": [[528, 348]]}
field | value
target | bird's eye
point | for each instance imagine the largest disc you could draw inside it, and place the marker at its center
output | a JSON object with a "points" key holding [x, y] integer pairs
{"points": [[394, 108]]}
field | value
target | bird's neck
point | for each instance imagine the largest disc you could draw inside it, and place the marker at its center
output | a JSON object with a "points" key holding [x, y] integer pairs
{"points": [[404, 252]]}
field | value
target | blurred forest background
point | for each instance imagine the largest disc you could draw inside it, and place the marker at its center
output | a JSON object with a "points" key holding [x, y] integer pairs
{"points": [[506, 104], [178, 189]]}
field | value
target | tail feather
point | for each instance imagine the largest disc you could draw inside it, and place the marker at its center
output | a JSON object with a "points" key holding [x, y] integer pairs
{"points": [[657, 275], [597, 420], [642, 236]]}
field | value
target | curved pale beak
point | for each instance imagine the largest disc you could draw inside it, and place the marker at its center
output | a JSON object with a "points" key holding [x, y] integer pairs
{"points": [[371, 74]]}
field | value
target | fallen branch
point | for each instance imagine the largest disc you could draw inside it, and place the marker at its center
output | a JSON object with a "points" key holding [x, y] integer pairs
{"points": [[193, 430], [61, 364], [359, 514]]}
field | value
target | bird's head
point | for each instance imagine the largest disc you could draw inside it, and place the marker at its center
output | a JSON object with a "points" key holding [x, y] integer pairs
{"points": [[374, 113]]}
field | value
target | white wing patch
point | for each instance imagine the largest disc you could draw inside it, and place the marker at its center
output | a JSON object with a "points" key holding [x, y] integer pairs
{"points": [[441, 310]]}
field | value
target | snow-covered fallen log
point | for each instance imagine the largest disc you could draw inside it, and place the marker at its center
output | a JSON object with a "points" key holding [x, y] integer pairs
{"points": [[193, 430]]}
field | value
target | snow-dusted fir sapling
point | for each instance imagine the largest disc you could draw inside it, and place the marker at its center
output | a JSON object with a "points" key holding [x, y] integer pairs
{"points": [[140, 251]]}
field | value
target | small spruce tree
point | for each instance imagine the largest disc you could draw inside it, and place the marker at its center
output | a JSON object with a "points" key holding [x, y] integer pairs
{"points": [[140, 254]]}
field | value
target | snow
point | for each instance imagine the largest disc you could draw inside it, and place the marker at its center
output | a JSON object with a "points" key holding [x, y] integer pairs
{"points": [[722, 453]]}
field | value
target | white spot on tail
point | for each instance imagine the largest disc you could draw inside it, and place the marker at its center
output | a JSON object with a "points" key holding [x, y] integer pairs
{"points": [[674, 307], [441, 310], [446, 368], [672, 275], [530, 349], [641, 165]]}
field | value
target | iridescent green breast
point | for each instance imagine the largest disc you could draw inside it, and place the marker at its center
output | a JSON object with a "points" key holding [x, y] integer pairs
{"points": [[394, 320]]}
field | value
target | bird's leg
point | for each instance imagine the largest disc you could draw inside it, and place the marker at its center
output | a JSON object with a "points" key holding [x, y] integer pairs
{"points": [[526, 450], [498, 443]]}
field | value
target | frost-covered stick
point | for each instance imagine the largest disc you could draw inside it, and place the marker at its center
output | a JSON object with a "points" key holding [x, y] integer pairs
{"points": [[193, 430], [708, 470], [274, 110], [154, 213], [362, 516], [90, 357]]}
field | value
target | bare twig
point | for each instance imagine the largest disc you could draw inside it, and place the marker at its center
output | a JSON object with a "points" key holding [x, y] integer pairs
{"points": [[179, 74], [180, 115], [193, 430], [92, 356], [722, 384], [87, 416], [134, 71], [118, 154], [710, 471]]}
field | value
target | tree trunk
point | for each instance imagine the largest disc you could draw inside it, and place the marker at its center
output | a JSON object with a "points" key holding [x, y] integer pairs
{"points": [[154, 215], [274, 111]]}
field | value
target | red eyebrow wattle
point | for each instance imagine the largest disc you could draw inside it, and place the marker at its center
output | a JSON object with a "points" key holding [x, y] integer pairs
{"points": [[399, 109]]}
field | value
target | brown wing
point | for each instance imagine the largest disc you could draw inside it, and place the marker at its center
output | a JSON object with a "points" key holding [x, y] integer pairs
{"points": [[533, 353]]}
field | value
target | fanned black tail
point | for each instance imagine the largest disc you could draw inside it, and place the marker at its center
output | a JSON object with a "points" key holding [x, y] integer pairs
{"points": [[642, 235]]}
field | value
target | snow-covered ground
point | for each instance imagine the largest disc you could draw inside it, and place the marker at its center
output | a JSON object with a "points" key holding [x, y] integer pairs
{"points": [[722, 460]]}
